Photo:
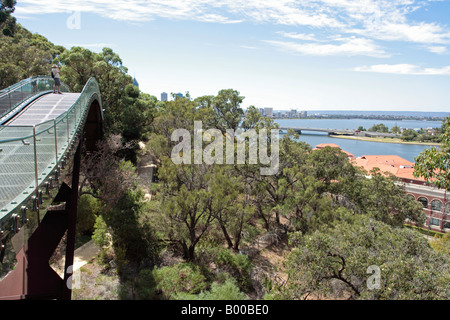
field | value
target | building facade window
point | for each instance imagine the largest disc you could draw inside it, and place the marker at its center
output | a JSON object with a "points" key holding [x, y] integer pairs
{"points": [[424, 202], [447, 224], [447, 208], [436, 205], [435, 222]]}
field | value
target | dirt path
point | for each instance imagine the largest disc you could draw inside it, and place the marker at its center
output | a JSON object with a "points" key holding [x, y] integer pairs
{"points": [[83, 255]]}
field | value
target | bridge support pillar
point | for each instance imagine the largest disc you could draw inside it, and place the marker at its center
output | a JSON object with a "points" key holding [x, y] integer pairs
{"points": [[71, 207]]}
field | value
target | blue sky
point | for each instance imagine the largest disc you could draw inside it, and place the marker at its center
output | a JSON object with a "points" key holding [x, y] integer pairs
{"points": [[285, 54]]}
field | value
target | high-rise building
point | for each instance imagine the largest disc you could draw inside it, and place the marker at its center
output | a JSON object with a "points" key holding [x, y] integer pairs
{"points": [[179, 95], [261, 110], [164, 96], [135, 83], [268, 112]]}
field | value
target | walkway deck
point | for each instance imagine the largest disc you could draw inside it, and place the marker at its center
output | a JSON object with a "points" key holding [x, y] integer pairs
{"points": [[47, 107]]}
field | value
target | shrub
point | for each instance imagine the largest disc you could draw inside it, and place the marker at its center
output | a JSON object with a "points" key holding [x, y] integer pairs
{"points": [[145, 285], [88, 210], [238, 265], [182, 277], [226, 291]]}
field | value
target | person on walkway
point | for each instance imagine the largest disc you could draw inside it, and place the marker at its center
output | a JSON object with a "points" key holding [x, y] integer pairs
{"points": [[55, 74]]}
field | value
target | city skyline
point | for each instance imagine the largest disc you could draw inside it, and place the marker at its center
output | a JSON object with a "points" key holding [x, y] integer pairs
{"points": [[304, 55]]}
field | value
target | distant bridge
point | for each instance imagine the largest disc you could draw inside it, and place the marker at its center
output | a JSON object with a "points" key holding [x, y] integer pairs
{"points": [[327, 130], [41, 135]]}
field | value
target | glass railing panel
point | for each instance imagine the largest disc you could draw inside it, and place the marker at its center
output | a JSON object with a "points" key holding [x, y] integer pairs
{"points": [[13, 96], [17, 174], [62, 135], [45, 150]]}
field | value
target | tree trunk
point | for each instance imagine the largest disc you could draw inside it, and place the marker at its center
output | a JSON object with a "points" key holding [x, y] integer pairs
{"points": [[225, 234]]}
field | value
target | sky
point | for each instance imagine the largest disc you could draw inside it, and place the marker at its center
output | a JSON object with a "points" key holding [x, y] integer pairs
{"points": [[286, 54]]}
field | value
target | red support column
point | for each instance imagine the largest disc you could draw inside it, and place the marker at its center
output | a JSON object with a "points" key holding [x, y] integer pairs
{"points": [[71, 207]]}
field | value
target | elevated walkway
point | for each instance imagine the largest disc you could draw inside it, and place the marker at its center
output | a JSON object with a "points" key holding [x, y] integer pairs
{"points": [[41, 135]]}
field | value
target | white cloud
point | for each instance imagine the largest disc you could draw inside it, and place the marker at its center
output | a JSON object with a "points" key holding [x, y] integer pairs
{"points": [[437, 49], [372, 19], [345, 47], [405, 69], [430, 33], [299, 36], [249, 47], [130, 10]]}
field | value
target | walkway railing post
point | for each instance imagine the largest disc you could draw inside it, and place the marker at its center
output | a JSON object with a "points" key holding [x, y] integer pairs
{"points": [[56, 142], [68, 132], [36, 169], [9, 96], [75, 114]]}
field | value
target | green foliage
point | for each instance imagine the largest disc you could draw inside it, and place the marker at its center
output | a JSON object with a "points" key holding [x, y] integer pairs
{"points": [[434, 164], [102, 238], [7, 22], [441, 244], [185, 203], [226, 291], [379, 128], [146, 285], [238, 265], [101, 235], [382, 198], [409, 135], [335, 261], [137, 240], [396, 130], [23, 56], [227, 111], [88, 210], [182, 277]]}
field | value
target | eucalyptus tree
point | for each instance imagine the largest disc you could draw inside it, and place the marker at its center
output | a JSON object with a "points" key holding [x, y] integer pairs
{"points": [[434, 164], [362, 258], [7, 21]]}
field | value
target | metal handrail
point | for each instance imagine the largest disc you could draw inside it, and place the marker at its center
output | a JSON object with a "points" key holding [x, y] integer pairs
{"points": [[6, 95], [72, 119]]}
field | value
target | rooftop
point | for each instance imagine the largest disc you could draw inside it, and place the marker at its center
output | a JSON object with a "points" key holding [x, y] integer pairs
{"points": [[394, 164], [333, 145]]}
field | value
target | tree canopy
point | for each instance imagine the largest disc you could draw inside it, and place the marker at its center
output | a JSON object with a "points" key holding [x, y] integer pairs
{"points": [[434, 164]]}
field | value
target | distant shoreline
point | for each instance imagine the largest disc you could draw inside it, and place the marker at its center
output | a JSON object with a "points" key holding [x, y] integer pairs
{"points": [[386, 140], [366, 117]]}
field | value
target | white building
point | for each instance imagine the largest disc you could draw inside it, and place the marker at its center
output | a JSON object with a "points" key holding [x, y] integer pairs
{"points": [[268, 112]]}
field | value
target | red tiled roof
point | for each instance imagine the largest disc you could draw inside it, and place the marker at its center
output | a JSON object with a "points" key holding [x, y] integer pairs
{"points": [[396, 165], [333, 145]]}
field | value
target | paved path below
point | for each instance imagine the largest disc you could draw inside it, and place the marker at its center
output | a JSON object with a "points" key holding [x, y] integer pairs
{"points": [[83, 255]]}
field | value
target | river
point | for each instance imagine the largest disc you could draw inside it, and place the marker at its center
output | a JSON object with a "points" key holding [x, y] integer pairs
{"points": [[359, 147]]}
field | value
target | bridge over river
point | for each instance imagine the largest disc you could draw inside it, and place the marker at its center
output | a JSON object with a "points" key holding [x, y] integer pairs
{"points": [[302, 130], [41, 134], [327, 130]]}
